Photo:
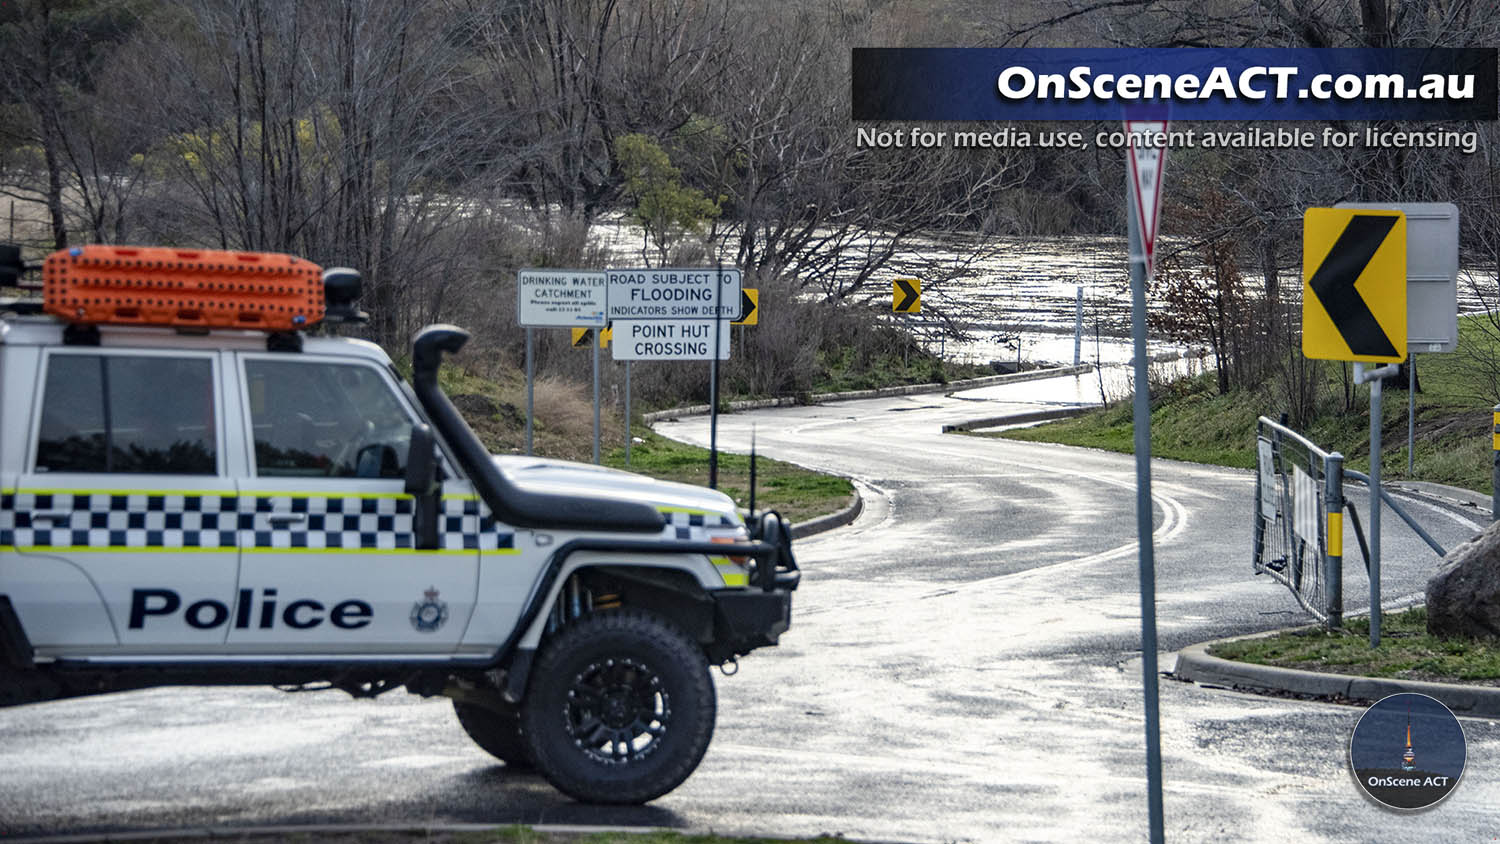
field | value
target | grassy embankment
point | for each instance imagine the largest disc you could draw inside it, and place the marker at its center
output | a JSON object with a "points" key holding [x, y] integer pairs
{"points": [[1406, 651], [1190, 421], [496, 408]]}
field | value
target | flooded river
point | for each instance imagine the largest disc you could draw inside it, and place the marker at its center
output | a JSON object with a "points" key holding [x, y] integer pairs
{"points": [[1023, 292]]}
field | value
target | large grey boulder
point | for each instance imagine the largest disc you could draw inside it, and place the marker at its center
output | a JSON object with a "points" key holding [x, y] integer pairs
{"points": [[1463, 598]]}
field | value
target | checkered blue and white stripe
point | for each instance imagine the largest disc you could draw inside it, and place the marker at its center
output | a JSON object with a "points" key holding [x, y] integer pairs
{"points": [[181, 520], [693, 527]]}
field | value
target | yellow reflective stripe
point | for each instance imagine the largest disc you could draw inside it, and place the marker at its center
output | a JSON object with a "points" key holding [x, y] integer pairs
{"points": [[1336, 534], [690, 511], [733, 573], [268, 550]]}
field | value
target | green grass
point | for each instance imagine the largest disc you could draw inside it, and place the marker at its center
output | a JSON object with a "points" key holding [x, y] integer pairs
{"points": [[1406, 651], [1191, 421], [798, 494], [1193, 424]]}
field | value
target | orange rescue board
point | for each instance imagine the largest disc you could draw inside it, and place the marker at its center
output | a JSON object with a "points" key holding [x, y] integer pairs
{"points": [[201, 288]]}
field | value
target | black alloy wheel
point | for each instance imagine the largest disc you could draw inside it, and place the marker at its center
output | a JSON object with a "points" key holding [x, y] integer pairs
{"points": [[620, 707]]}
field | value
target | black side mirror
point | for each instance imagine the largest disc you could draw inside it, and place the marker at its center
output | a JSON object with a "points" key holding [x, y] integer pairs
{"points": [[422, 484]]}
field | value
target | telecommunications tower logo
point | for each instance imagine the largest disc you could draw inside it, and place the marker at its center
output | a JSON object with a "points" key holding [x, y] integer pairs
{"points": [[1408, 752]]}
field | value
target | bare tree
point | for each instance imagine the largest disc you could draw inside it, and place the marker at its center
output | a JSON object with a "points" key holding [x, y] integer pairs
{"points": [[567, 78], [802, 200], [49, 51], [335, 129]]}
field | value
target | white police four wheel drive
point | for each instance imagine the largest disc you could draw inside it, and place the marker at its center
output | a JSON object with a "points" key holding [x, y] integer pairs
{"points": [[236, 507]]}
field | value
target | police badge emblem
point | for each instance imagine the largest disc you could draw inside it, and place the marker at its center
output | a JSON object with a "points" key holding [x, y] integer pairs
{"points": [[429, 614]]}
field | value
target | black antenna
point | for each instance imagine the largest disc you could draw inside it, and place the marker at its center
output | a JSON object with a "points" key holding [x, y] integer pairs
{"points": [[752, 470], [713, 380]]}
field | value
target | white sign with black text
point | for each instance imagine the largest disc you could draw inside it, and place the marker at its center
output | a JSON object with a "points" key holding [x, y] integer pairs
{"points": [[669, 339], [561, 298], [674, 293]]}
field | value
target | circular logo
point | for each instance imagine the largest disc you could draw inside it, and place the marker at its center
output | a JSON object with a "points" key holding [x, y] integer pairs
{"points": [[429, 614], [1408, 752]]}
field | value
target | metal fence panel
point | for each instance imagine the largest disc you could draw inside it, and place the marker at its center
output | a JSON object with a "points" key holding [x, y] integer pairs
{"points": [[1290, 502]]}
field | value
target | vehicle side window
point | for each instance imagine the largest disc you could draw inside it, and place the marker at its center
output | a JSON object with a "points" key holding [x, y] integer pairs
{"points": [[325, 420], [122, 413]]}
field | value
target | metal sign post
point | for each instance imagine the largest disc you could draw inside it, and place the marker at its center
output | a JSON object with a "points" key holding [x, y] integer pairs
{"points": [[596, 403], [713, 382], [627, 413], [1411, 413], [1374, 377], [1078, 327], [1142, 195], [530, 381]]}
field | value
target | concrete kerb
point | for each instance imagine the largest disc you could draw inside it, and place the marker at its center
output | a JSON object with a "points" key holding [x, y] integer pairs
{"points": [[1017, 418], [882, 392], [1196, 664], [1463, 501], [832, 520]]}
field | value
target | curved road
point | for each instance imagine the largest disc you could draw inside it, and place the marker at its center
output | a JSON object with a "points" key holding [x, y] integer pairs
{"points": [[963, 665]]}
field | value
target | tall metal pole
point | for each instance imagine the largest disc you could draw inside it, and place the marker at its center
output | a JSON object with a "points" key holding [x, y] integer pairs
{"points": [[1143, 521], [713, 384], [1411, 412], [1374, 377], [627, 413], [597, 334], [1078, 328], [1375, 420], [530, 381]]}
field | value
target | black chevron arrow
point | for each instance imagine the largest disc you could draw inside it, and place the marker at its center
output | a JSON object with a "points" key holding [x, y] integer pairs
{"points": [[1333, 284], [908, 295], [747, 307]]}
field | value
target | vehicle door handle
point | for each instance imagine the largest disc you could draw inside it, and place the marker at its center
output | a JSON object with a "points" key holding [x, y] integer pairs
{"points": [[53, 516], [279, 519]]}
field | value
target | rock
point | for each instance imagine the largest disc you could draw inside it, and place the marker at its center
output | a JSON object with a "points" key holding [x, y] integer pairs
{"points": [[1463, 598]]}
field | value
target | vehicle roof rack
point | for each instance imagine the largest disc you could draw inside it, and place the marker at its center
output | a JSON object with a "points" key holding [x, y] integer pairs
{"points": [[187, 288]]}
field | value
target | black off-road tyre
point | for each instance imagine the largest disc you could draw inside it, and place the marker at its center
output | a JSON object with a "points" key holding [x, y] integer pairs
{"points": [[620, 708], [497, 733]]}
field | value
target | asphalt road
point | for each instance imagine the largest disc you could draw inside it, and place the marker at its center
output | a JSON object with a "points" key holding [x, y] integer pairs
{"points": [[964, 664]]}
